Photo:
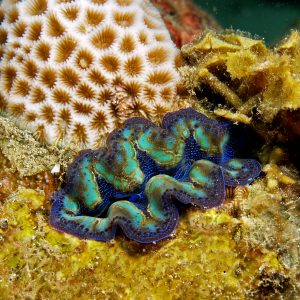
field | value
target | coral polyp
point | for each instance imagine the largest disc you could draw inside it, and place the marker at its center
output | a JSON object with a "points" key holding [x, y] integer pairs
{"points": [[75, 57], [135, 181]]}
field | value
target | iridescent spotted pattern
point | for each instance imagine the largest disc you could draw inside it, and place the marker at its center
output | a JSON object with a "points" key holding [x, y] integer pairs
{"points": [[133, 182]]}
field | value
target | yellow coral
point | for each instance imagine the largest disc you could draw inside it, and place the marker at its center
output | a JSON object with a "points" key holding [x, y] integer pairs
{"points": [[255, 82]]}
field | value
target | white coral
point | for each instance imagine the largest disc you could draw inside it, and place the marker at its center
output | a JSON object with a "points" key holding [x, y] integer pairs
{"points": [[71, 70]]}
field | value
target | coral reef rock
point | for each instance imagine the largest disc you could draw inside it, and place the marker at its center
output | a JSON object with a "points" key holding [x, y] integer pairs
{"points": [[26, 154], [71, 71], [10, 181], [184, 19], [241, 79]]}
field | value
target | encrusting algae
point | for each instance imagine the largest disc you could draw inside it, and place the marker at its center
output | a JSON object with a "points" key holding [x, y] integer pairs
{"points": [[247, 82], [213, 254]]}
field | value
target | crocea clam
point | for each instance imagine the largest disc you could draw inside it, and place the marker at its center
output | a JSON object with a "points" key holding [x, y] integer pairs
{"points": [[135, 181]]}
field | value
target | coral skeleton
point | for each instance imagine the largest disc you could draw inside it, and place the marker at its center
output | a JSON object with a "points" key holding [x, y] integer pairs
{"points": [[73, 70]]}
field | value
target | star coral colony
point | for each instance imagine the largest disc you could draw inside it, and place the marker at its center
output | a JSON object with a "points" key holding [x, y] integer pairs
{"points": [[72, 70]]}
